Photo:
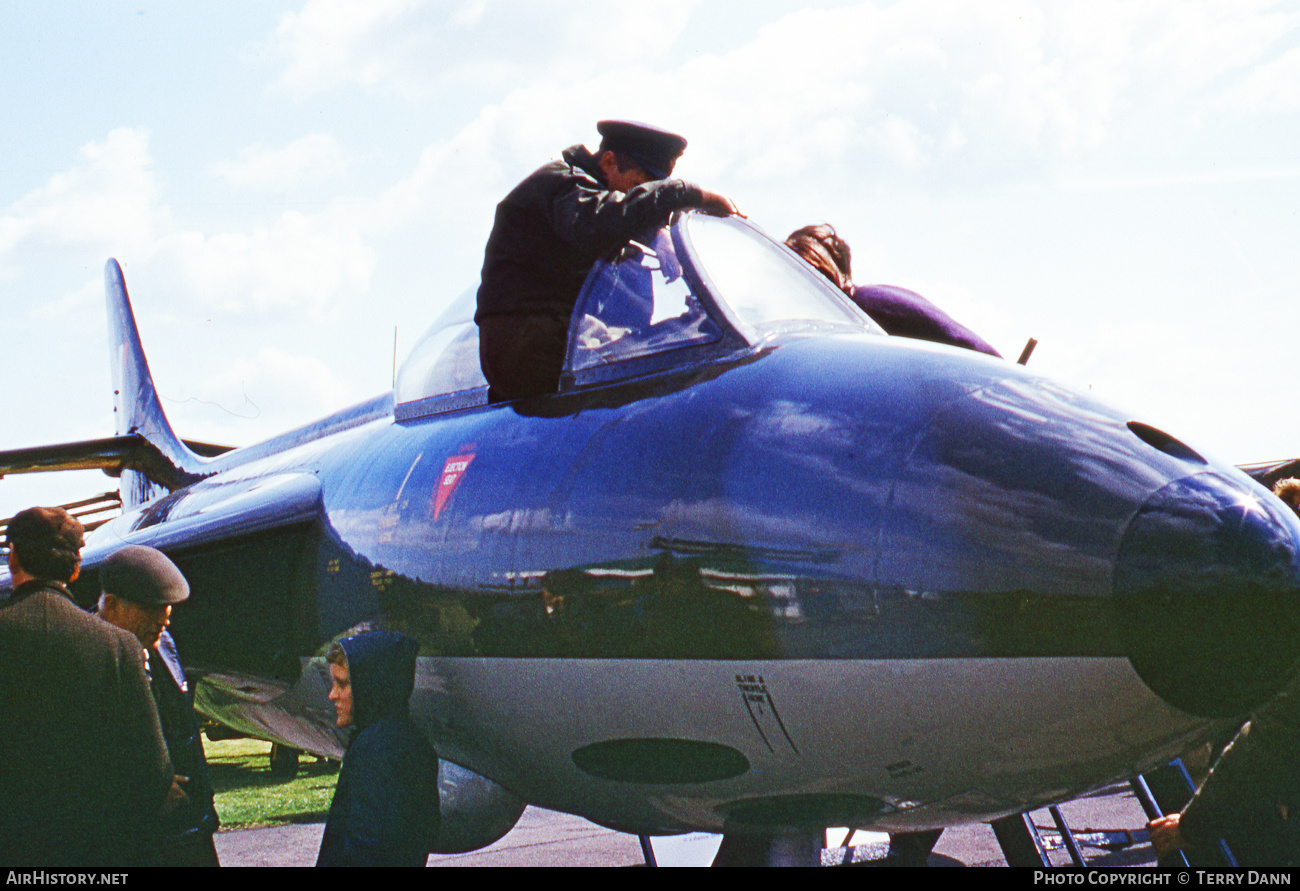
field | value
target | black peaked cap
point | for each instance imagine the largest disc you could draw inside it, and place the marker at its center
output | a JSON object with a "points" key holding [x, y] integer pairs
{"points": [[655, 149]]}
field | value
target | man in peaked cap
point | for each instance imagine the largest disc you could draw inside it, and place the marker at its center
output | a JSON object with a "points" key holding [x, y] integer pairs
{"points": [[550, 230], [140, 586], [83, 769]]}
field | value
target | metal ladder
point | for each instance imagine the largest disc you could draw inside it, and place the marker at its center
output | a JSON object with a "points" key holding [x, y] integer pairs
{"points": [[1162, 791]]}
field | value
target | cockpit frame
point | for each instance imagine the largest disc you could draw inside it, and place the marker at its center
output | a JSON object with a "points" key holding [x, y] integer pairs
{"points": [[442, 375]]}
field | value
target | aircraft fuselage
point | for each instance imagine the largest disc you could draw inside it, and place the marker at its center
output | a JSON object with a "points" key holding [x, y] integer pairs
{"points": [[843, 580]]}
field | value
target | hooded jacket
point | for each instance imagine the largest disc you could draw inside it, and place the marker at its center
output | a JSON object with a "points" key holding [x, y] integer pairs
{"points": [[385, 807]]}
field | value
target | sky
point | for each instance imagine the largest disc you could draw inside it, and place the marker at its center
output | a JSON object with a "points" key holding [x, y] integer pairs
{"points": [[296, 189]]}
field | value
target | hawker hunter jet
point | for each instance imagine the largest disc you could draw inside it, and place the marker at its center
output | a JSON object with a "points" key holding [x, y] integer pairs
{"points": [[755, 568]]}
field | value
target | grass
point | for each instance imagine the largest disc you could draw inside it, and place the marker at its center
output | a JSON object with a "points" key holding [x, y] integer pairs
{"points": [[247, 795]]}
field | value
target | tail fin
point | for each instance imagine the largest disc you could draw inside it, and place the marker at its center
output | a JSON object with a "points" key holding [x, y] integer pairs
{"points": [[135, 400]]}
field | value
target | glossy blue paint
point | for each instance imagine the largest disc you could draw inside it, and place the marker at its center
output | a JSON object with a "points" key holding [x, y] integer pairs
{"points": [[818, 493], [729, 482]]}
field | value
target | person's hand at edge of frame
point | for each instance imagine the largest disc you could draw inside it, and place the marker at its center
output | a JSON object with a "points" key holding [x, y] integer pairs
{"points": [[1165, 836]]}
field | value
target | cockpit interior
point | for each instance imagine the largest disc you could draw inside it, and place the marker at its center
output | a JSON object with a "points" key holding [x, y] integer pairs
{"points": [[698, 289]]}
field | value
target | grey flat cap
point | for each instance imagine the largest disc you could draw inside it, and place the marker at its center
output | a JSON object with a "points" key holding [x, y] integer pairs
{"points": [[143, 576]]}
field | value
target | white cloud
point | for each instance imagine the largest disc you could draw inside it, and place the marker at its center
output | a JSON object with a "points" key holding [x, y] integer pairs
{"points": [[811, 112], [107, 202], [110, 204], [79, 305], [306, 263], [469, 14], [618, 32], [913, 85], [916, 84], [330, 42], [233, 403], [1269, 88], [1194, 43], [317, 156], [417, 49]]}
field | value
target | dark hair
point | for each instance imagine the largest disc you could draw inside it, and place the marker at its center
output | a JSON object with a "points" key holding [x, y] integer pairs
{"points": [[336, 656], [826, 252], [622, 160], [1288, 490], [45, 562], [46, 542]]}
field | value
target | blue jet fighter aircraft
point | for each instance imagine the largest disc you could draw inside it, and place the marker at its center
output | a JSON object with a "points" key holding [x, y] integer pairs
{"points": [[756, 568]]}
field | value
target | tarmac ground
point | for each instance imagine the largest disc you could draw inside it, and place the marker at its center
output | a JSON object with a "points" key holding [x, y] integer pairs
{"points": [[1109, 827]]}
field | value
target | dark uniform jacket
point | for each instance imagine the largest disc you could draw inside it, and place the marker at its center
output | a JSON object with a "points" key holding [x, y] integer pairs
{"points": [[385, 807], [1259, 770], [555, 224], [83, 769], [548, 232], [180, 729]]}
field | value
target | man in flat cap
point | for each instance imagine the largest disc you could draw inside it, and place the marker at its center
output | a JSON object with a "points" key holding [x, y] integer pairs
{"points": [[83, 769], [552, 228], [140, 586]]}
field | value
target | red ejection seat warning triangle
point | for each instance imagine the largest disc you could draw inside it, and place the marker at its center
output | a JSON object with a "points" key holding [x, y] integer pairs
{"points": [[452, 472]]}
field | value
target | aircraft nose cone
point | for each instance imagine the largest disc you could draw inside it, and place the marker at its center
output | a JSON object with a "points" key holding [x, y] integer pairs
{"points": [[1207, 585]]}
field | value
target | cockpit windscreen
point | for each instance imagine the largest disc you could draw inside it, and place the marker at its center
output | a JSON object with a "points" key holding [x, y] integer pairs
{"points": [[637, 305], [764, 285]]}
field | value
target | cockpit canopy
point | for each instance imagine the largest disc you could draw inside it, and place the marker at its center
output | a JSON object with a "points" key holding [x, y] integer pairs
{"points": [[697, 289]]}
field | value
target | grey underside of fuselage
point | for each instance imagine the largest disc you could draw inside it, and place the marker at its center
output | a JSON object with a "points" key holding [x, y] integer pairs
{"points": [[896, 744]]}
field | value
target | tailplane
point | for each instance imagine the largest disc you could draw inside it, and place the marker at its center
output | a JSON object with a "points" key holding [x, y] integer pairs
{"points": [[137, 411], [145, 453]]}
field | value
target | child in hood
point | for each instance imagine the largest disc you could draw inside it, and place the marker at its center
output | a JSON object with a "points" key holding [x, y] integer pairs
{"points": [[385, 807]]}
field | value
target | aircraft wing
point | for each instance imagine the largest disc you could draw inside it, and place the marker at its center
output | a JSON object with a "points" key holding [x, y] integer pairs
{"points": [[112, 454], [1270, 472], [186, 520], [192, 520]]}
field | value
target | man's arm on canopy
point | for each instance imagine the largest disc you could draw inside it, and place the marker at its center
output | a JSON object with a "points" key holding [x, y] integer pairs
{"points": [[602, 219]]}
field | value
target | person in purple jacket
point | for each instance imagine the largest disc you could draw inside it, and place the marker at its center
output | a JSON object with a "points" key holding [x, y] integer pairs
{"points": [[902, 313]]}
